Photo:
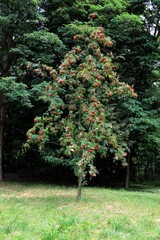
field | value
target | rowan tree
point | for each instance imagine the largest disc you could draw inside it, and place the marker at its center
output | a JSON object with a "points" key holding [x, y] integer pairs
{"points": [[78, 98]]}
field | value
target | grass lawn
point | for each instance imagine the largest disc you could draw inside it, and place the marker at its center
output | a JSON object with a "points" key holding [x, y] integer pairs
{"points": [[48, 212]]}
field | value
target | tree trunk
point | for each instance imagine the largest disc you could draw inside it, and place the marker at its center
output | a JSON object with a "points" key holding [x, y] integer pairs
{"points": [[127, 172], [146, 169], [7, 60], [80, 178], [1, 133], [154, 168]]}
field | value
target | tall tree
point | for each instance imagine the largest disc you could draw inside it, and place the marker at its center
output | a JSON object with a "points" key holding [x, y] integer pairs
{"points": [[23, 40], [77, 116], [16, 19]]}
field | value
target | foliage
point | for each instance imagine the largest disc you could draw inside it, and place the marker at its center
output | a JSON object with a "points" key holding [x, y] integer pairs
{"points": [[24, 39], [16, 20], [14, 91], [40, 47], [144, 126]]}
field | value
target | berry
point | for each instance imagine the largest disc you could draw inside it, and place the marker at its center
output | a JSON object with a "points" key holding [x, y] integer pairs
{"points": [[93, 15], [79, 98]]}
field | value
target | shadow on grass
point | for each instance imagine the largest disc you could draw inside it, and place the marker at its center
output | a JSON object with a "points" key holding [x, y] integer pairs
{"points": [[144, 188], [150, 187]]}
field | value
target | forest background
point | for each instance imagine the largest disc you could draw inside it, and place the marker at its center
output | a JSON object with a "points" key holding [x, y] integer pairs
{"points": [[37, 33]]}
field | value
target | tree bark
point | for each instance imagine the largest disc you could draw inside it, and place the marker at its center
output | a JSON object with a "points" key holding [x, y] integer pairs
{"points": [[146, 169], [127, 172], [1, 133], [154, 168], [80, 178], [7, 59]]}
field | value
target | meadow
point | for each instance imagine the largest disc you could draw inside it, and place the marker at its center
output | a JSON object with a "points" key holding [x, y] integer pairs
{"points": [[50, 212]]}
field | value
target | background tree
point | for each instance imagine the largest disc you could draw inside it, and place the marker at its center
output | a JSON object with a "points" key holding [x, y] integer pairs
{"points": [[42, 31], [23, 40]]}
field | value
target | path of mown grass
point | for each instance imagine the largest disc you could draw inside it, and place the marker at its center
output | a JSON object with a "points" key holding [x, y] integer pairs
{"points": [[45, 212]]}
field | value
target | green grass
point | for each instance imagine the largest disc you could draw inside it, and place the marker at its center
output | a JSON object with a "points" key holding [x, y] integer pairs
{"points": [[47, 212]]}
